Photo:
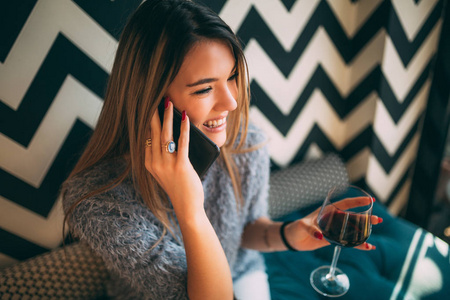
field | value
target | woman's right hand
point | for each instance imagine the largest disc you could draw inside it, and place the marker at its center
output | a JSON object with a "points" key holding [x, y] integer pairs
{"points": [[174, 171], [209, 275]]}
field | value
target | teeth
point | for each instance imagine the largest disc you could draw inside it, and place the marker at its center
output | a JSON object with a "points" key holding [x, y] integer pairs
{"points": [[215, 123]]}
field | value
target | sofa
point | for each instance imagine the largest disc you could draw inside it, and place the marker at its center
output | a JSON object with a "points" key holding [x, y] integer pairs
{"points": [[409, 263]]}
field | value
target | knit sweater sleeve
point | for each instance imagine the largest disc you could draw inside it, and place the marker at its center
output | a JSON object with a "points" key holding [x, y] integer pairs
{"points": [[122, 231]]}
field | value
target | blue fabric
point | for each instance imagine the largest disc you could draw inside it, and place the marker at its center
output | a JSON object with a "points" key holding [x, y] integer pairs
{"points": [[385, 273]]}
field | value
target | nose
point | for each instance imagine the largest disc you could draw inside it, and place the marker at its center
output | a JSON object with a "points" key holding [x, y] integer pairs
{"points": [[226, 100]]}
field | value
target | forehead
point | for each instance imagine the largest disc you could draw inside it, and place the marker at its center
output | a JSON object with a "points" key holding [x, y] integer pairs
{"points": [[208, 58]]}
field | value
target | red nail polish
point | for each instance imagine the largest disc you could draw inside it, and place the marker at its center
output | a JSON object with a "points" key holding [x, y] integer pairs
{"points": [[166, 102], [374, 200], [318, 235], [367, 246], [380, 220], [183, 115]]}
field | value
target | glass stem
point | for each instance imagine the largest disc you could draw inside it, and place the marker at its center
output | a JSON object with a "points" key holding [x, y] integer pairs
{"points": [[337, 251]]}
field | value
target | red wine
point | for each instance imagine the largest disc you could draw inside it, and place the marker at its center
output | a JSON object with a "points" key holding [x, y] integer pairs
{"points": [[345, 229]]}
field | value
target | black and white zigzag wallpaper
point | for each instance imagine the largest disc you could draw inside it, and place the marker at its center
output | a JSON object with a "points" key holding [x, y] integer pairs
{"points": [[352, 77]]}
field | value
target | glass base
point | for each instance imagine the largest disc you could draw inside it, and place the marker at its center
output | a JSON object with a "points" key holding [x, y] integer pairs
{"points": [[330, 286]]}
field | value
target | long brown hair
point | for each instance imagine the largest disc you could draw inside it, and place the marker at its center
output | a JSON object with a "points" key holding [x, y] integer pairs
{"points": [[151, 50]]}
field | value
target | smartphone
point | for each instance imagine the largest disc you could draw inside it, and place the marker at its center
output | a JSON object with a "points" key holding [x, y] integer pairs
{"points": [[202, 151]]}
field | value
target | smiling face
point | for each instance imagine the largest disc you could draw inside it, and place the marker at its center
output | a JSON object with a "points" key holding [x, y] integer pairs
{"points": [[205, 87]]}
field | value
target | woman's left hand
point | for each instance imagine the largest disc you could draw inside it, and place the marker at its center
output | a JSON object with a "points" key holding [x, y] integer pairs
{"points": [[304, 234]]}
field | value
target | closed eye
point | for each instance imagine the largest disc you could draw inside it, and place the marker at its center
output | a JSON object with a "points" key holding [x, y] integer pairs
{"points": [[203, 91], [208, 89]]}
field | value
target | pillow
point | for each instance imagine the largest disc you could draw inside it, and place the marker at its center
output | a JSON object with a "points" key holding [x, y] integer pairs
{"points": [[72, 272], [304, 184]]}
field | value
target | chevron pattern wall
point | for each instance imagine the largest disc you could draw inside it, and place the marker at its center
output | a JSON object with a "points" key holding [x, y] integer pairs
{"points": [[352, 77]]}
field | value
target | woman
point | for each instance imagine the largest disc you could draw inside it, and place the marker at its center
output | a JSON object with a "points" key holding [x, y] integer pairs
{"points": [[162, 231]]}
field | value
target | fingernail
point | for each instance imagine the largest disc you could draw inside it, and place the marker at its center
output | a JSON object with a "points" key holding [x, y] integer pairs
{"points": [[380, 220], [318, 235], [367, 246], [374, 247], [183, 115], [374, 200], [166, 102]]}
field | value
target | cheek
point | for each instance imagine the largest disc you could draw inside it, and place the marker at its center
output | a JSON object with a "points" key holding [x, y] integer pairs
{"points": [[193, 111], [197, 114]]}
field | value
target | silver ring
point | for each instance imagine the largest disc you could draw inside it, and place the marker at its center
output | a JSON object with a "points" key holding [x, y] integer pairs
{"points": [[170, 147]]}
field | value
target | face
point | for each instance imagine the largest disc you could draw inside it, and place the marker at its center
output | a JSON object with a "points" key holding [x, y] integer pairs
{"points": [[205, 87]]}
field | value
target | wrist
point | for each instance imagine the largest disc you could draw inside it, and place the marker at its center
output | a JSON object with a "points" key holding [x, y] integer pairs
{"points": [[192, 218], [188, 208], [284, 236]]}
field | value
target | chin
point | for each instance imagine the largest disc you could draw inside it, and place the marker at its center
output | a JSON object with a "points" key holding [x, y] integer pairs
{"points": [[217, 135], [218, 140]]}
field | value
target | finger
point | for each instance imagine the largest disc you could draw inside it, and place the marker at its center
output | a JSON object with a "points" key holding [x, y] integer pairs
{"points": [[312, 230], [317, 234], [148, 157], [353, 202], [366, 247], [167, 128], [376, 220], [183, 140], [155, 133]]}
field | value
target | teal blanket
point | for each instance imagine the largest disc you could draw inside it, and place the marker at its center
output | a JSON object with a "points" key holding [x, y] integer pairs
{"points": [[409, 263]]}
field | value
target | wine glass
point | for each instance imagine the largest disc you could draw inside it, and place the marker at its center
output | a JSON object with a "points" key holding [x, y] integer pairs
{"points": [[345, 221]]}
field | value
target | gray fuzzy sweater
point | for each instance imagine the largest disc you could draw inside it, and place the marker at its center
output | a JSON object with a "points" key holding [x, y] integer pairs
{"points": [[121, 229]]}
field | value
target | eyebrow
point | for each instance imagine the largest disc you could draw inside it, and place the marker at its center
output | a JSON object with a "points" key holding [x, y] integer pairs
{"points": [[202, 81]]}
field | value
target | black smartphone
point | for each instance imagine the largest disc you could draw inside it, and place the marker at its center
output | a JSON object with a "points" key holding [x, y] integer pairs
{"points": [[202, 151]]}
